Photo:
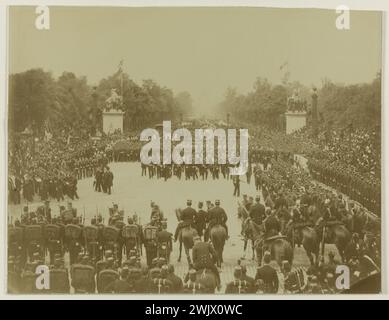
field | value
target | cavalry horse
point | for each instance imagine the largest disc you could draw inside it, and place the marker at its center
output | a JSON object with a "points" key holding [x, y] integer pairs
{"points": [[218, 236], [331, 232], [280, 248], [307, 236], [247, 234], [338, 235], [185, 237]]}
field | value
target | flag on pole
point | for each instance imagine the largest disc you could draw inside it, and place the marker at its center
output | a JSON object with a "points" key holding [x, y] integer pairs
{"points": [[120, 67], [120, 72]]}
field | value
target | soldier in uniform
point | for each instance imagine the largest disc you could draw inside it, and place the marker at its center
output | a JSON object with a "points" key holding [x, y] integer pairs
{"points": [[150, 241], [258, 177], [251, 288], [200, 219], [257, 211], [192, 286], [156, 212], [120, 285], [203, 256], [353, 248], [216, 216], [187, 218], [161, 284], [272, 224], [176, 281], [98, 179], [236, 182], [268, 275], [164, 239], [45, 211], [108, 180], [238, 285]]}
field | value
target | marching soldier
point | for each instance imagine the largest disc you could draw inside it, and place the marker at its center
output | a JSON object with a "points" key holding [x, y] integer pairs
{"points": [[150, 240], [164, 242]]}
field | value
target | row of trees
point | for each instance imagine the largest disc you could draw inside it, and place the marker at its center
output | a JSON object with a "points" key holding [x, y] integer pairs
{"points": [[39, 100], [339, 105]]}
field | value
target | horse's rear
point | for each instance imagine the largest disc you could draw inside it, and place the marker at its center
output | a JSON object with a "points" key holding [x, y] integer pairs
{"points": [[218, 236], [186, 237]]}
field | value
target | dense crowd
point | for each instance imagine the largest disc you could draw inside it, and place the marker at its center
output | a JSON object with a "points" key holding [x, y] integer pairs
{"points": [[50, 168]]}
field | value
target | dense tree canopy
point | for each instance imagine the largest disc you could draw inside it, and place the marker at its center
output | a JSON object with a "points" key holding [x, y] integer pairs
{"points": [[339, 105], [38, 100]]}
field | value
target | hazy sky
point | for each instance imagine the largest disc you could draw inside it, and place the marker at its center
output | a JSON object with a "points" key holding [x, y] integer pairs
{"points": [[201, 50]]}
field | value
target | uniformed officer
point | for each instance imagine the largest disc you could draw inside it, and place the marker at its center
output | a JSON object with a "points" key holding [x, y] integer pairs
{"points": [[187, 218], [200, 219], [257, 211], [203, 256], [268, 275], [217, 215], [164, 241], [272, 224]]}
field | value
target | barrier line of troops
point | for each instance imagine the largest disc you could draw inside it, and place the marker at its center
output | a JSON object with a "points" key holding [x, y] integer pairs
{"points": [[96, 253]]}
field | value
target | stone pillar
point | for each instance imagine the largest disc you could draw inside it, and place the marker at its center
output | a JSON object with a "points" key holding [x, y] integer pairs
{"points": [[295, 121], [112, 120]]}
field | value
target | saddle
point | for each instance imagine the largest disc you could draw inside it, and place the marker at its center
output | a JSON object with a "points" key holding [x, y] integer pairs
{"points": [[273, 238]]}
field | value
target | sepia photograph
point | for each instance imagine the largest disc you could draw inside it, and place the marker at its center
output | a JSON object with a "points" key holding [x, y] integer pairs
{"points": [[193, 150]]}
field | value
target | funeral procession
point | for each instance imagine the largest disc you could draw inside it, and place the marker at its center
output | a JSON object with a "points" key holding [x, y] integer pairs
{"points": [[266, 179]]}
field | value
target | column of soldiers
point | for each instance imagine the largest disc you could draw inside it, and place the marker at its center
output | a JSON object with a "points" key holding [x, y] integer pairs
{"points": [[185, 171], [357, 187], [95, 253]]}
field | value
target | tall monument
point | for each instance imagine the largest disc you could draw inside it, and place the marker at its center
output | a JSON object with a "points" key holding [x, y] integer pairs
{"points": [[113, 113], [314, 110], [296, 113]]}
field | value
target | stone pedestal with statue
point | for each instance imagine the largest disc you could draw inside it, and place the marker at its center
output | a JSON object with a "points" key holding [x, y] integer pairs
{"points": [[113, 114], [296, 114], [295, 121]]}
